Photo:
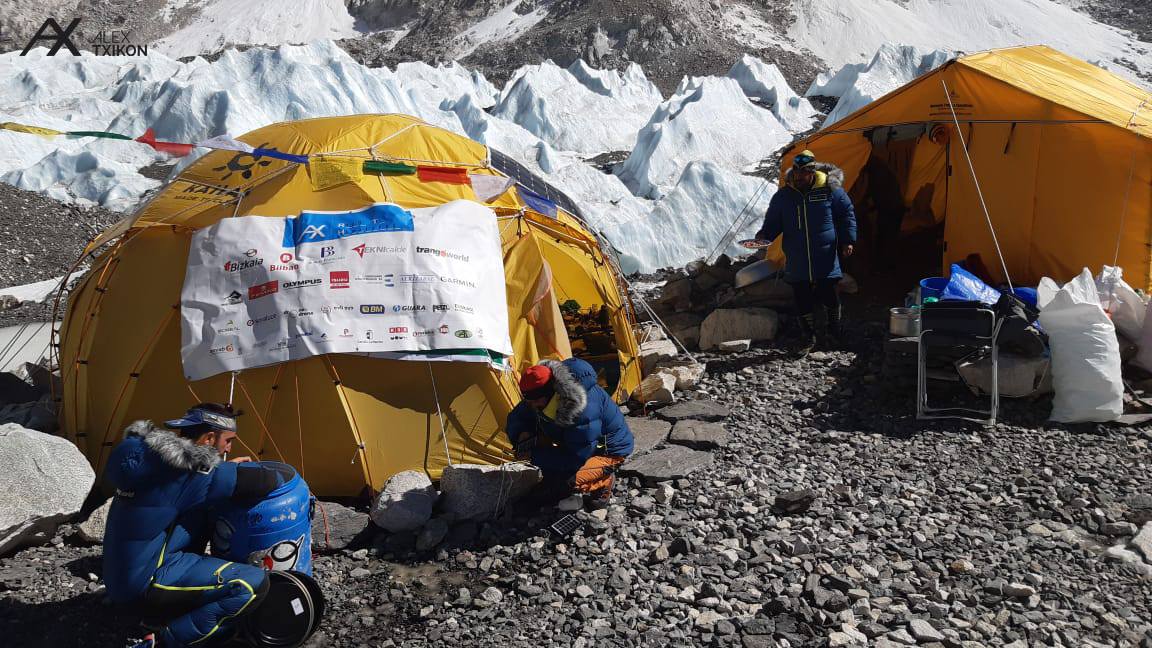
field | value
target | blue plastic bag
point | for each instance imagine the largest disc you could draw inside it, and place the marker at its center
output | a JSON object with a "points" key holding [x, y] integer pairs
{"points": [[965, 286]]}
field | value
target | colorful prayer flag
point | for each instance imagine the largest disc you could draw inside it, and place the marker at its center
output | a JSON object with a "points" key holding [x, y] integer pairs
{"points": [[32, 130], [450, 175], [172, 148], [225, 143], [538, 203], [328, 172], [489, 187], [389, 168], [102, 134], [273, 153]]}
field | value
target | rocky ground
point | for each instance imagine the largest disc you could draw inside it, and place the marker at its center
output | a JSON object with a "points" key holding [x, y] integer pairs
{"points": [[45, 238], [903, 534]]}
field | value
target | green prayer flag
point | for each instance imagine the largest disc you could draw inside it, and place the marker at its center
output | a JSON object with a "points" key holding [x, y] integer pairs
{"points": [[103, 134], [390, 168]]}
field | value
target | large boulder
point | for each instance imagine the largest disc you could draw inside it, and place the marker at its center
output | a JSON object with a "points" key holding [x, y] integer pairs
{"points": [[685, 327], [686, 372], [726, 324], [769, 292], [43, 482], [677, 293], [654, 352], [647, 433], [657, 388], [673, 462], [406, 502], [700, 410], [699, 435], [335, 527], [475, 492], [92, 529], [39, 415]]}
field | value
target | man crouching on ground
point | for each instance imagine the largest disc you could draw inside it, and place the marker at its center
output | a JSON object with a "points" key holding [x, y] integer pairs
{"points": [[167, 482], [570, 429]]}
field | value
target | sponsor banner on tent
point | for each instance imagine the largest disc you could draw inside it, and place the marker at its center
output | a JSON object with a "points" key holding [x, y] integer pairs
{"points": [[421, 284]]}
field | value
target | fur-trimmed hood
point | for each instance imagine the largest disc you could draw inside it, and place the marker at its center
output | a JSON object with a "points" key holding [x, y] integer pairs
{"points": [[826, 174], [571, 391], [147, 451]]}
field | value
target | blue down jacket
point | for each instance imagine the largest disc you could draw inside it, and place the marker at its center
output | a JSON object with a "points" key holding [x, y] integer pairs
{"points": [[814, 224], [165, 488], [587, 423]]}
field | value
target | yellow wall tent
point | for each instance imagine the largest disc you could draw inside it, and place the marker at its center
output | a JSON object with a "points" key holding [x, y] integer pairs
{"points": [[348, 422], [1062, 150]]}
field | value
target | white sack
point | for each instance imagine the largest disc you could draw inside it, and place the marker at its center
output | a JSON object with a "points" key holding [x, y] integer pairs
{"points": [[1085, 353], [1121, 302]]}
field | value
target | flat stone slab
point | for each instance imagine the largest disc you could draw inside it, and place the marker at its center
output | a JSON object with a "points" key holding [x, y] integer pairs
{"points": [[699, 435], [700, 410], [647, 433], [673, 462]]}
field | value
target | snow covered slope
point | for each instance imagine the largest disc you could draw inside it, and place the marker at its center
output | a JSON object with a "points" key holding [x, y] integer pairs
{"points": [[257, 22], [848, 32]]}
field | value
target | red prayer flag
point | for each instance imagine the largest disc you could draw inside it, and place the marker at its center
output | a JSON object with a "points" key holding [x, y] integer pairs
{"points": [[451, 175], [172, 148]]}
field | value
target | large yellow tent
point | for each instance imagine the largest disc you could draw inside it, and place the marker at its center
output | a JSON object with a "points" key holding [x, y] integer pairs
{"points": [[348, 422], [1062, 150]]}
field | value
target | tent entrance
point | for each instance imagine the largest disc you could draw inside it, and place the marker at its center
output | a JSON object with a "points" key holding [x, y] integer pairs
{"points": [[594, 340], [900, 195]]}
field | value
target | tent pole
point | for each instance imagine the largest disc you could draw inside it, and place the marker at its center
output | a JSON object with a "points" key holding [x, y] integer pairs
{"points": [[979, 191]]}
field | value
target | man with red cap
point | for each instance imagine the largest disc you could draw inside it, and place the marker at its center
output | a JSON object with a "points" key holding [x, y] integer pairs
{"points": [[570, 428]]}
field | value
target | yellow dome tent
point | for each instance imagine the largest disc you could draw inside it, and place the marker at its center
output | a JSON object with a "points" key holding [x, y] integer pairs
{"points": [[348, 422], [1062, 150]]}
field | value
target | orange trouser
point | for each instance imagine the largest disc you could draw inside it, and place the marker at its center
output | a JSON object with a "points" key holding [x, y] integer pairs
{"points": [[597, 474]]}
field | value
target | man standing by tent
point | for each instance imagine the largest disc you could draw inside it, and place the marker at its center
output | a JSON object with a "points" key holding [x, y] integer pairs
{"points": [[571, 429], [166, 482], [815, 216]]}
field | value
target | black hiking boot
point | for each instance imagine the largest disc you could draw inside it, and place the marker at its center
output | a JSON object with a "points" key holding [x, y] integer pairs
{"points": [[807, 340], [833, 338]]}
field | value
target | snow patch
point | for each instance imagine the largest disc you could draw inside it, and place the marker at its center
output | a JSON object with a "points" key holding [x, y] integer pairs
{"points": [[504, 25]]}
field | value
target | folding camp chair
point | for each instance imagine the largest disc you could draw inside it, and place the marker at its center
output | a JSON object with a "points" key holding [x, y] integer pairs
{"points": [[956, 325]]}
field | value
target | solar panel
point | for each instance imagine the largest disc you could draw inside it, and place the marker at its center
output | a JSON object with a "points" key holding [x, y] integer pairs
{"points": [[522, 175]]}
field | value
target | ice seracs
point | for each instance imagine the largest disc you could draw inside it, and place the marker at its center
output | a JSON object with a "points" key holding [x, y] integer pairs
{"points": [[763, 82], [858, 85], [708, 118]]}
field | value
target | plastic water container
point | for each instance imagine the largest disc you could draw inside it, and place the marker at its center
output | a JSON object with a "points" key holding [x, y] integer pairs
{"points": [[932, 287], [276, 533]]}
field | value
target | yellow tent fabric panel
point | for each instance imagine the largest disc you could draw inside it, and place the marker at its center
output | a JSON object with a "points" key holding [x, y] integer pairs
{"points": [[1006, 166], [1079, 206], [1067, 81], [348, 422]]}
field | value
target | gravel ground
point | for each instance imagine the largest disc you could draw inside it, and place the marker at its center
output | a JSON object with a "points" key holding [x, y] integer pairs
{"points": [[43, 238], [942, 535]]}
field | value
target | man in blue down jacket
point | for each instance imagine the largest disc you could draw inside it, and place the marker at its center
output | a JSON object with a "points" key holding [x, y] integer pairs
{"points": [[814, 215], [167, 481], [571, 429]]}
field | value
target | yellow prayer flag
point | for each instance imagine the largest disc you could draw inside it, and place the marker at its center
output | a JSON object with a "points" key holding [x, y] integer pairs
{"points": [[34, 130], [328, 172]]}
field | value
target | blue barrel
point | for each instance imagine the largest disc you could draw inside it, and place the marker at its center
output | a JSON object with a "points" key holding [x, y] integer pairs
{"points": [[276, 533]]}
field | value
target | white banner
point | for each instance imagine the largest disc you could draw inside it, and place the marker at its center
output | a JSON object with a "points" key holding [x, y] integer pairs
{"points": [[381, 280]]}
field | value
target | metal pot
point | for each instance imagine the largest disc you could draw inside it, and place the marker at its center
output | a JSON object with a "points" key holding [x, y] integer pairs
{"points": [[904, 322]]}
